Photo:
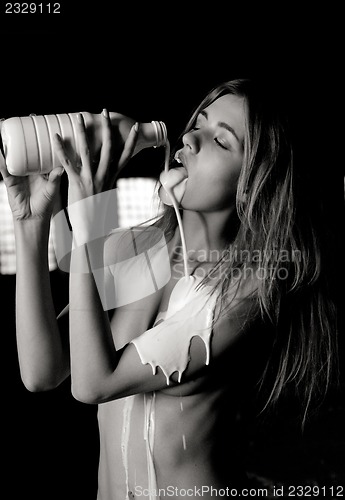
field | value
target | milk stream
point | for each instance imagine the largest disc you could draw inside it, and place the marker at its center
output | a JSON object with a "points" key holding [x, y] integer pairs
{"points": [[190, 307]]}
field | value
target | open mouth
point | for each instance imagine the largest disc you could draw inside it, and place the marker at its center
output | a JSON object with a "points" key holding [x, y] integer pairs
{"points": [[179, 158]]}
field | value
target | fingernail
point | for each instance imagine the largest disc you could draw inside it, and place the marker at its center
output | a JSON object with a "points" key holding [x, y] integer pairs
{"points": [[136, 126], [105, 113]]}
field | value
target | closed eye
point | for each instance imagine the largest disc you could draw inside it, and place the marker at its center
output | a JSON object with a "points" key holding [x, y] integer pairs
{"points": [[221, 144]]}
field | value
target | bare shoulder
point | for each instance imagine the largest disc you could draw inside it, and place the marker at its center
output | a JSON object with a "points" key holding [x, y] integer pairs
{"points": [[138, 263], [125, 243]]}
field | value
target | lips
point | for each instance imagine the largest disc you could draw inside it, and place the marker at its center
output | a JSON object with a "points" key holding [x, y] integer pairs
{"points": [[180, 158]]}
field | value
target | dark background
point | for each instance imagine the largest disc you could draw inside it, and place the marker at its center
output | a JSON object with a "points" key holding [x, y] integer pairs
{"points": [[157, 63]]}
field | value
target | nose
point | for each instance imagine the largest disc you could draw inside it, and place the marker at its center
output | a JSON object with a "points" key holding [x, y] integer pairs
{"points": [[191, 141]]}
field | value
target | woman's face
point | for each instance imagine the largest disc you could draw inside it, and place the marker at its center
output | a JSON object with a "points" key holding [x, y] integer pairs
{"points": [[212, 155]]}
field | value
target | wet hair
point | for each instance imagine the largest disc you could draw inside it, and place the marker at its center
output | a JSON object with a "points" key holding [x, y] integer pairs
{"points": [[278, 240]]}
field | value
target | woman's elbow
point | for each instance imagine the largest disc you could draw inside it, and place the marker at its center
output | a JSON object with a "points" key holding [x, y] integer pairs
{"points": [[38, 385], [41, 383], [84, 393], [93, 393]]}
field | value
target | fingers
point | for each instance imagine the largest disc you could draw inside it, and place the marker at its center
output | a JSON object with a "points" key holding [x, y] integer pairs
{"points": [[128, 150], [53, 186], [84, 150], [107, 147], [129, 146], [55, 174], [62, 155]]}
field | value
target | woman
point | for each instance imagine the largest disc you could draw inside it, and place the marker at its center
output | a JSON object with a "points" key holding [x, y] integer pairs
{"points": [[247, 303]]}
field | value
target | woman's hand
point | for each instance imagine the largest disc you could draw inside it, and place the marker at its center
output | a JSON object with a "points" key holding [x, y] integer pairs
{"points": [[32, 196], [93, 177]]}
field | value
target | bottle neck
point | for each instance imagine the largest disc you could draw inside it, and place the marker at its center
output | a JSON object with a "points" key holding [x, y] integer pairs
{"points": [[149, 132]]}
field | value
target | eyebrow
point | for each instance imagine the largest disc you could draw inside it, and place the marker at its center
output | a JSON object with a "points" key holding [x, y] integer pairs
{"points": [[222, 124]]}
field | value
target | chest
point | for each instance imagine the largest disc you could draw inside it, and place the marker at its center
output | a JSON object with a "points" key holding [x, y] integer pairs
{"points": [[199, 271]]}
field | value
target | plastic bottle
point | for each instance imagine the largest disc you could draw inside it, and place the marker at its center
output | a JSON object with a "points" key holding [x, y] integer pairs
{"points": [[27, 141]]}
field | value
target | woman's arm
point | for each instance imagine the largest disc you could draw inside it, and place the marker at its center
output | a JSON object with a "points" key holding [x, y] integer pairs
{"points": [[99, 371], [43, 353]]}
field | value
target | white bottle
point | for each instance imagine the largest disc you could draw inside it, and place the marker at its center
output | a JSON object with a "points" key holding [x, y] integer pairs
{"points": [[27, 141]]}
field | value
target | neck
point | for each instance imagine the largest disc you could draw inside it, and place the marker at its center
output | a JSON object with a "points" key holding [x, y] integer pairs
{"points": [[208, 234]]}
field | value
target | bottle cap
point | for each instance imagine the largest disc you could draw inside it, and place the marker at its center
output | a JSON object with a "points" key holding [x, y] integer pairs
{"points": [[160, 132]]}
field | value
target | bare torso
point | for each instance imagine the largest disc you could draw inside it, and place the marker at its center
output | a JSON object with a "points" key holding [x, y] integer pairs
{"points": [[179, 439], [194, 425]]}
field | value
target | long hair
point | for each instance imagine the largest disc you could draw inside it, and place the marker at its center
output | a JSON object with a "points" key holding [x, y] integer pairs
{"points": [[278, 242]]}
